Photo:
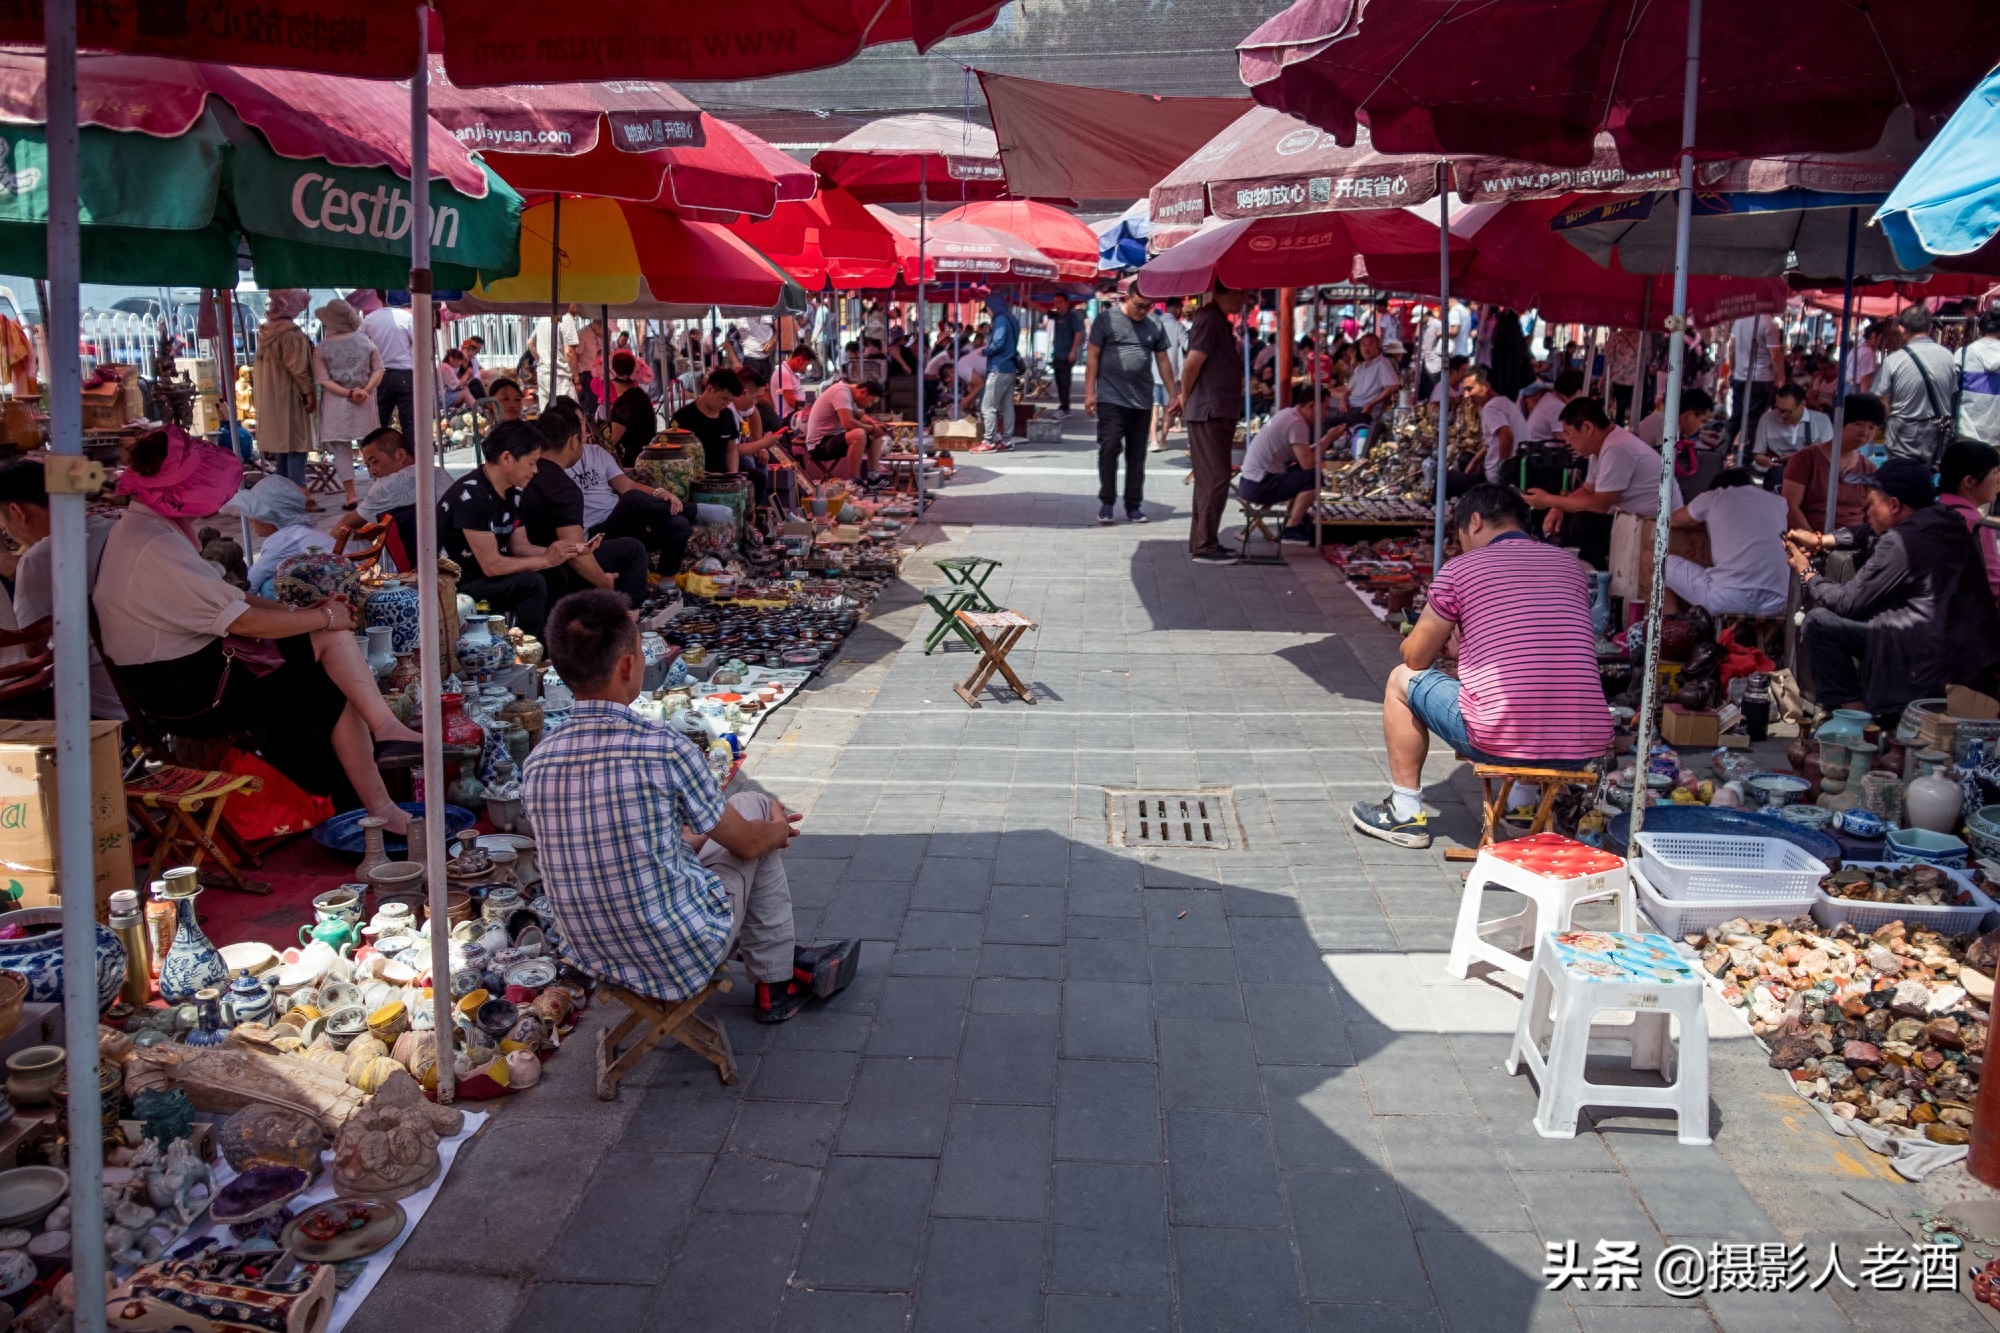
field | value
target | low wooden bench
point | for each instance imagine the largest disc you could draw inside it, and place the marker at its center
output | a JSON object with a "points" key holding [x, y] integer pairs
{"points": [[1497, 780], [660, 1020]]}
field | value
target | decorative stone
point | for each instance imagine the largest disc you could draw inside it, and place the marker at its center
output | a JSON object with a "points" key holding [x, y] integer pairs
{"points": [[268, 1135], [385, 1152], [1791, 1052], [1860, 1054], [1950, 1135]]}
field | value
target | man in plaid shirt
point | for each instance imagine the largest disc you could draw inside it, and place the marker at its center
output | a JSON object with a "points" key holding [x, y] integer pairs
{"points": [[656, 880]]}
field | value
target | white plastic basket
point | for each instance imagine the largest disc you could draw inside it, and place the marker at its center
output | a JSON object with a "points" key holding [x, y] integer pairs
{"points": [[1677, 917], [1738, 869], [1830, 911]]}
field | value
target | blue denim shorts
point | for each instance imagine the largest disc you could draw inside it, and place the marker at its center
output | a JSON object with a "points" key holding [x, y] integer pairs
{"points": [[1433, 697]]}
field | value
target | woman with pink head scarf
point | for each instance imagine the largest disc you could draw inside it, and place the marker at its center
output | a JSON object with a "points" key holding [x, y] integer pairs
{"points": [[202, 658], [281, 384]]}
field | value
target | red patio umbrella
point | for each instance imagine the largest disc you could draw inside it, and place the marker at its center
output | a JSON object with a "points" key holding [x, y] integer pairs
{"points": [[565, 119], [1300, 251], [1060, 235], [716, 173], [965, 250], [516, 41], [831, 239], [905, 159], [1518, 262], [1537, 79]]}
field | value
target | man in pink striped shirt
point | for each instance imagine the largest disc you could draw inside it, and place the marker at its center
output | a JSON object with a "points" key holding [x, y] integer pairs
{"points": [[1527, 690]]}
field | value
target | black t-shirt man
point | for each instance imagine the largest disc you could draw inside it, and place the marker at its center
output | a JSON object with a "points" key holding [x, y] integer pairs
{"points": [[550, 501], [716, 434], [473, 502], [633, 410]]}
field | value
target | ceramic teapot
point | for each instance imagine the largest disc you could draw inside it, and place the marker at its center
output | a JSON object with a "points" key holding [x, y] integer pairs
{"points": [[336, 932]]}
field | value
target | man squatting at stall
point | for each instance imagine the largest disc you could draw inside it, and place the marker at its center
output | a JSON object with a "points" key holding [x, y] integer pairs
{"points": [[656, 880]]}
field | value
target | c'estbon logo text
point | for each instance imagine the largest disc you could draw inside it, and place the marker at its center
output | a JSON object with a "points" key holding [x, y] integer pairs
{"points": [[319, 202]]}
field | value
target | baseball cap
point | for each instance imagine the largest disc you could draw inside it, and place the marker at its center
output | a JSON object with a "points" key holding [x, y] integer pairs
{"points": [[1907, 480]]}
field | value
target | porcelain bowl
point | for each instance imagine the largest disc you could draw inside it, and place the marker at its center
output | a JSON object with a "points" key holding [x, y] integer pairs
{"points": [[1916, 845]]}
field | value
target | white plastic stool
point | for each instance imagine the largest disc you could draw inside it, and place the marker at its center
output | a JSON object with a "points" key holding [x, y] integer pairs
{"points": [[1578, 974], [1554, 874]]}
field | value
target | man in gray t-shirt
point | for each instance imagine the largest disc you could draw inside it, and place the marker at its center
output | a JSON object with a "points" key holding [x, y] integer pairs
{"points": [[1127, 344], [1918, 380]]}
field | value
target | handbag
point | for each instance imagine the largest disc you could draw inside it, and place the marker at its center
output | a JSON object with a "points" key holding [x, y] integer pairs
{"points": [[1941, 421]]}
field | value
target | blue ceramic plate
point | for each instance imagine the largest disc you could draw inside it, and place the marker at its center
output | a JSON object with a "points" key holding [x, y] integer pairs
{"points": [[1736, 823], [343, 832]]}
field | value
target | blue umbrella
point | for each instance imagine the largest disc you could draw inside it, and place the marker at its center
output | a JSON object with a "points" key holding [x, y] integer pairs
{"points": [[1948, 202], [1121, 242]]}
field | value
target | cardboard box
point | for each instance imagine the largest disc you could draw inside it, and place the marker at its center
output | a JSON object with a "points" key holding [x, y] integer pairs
{"points": [[28, 814], [1680, 726]]}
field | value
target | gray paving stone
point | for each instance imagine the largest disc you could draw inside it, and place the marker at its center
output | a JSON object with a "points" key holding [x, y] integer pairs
{"points": [[1356, 1243], [624, 1228], [1109, 1020], [1410, 1073], [1110, 1234], [1008, 1058], [981, 1275], [1108, 1111], [868, 1227], [899, 1107], [1320, 1118], [1211, 966], [1109, 1314], [1220, 1004], [1491, 1281], [996, 1162], [1274, 949], [729, 1273], [941, 930], [919, 1016], [1375, 1318], [951, 884], [1030, 961], [816, 1311], [1233, 1280], [893, 859], [806, 1076], [1026, 914], [1688, 1191], [1221, 1170], [1184, 916], [1207, 1064], [1108, 960], [556, 1307], [1297, 1024], [741, 1183]]}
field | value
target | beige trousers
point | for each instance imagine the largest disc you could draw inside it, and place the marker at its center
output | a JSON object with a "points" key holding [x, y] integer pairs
{"points": [[760, 898]]}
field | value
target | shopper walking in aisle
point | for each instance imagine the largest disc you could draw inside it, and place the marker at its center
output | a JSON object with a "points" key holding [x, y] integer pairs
{"points": [[1163, 385], [389, 329], [1979, 383], [1003, 369], [1066, 330], [1756, 368], [1917, 381], [1127, 347], [1211, 391], [347, 368], [281, 384]]}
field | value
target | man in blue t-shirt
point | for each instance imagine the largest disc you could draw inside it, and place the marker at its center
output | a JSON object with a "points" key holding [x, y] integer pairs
{"points": [[1003, 368]]}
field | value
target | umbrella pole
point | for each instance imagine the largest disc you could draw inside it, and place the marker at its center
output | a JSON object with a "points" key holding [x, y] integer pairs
{"points": [[1840, 376], [428, 612], [604, 362], [1743, 408], [923, 315], [1319, 413], [1440, 455], [68, 483], [555, 292], [1670, 414]]}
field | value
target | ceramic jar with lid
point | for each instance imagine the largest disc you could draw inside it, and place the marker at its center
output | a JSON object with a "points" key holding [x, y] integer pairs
{"points": [[1932, 800]]}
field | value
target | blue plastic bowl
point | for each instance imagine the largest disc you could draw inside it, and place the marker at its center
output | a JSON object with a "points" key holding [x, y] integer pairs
{"points": [[343, 832]]}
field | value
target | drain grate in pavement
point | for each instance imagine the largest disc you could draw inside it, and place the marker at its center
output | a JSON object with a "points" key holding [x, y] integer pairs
{"points": [[1199, 818]]}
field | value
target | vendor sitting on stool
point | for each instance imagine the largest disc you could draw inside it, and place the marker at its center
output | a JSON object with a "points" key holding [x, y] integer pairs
{"points": [[1527, 664], [656, 880], [1916, 617], [1278, 468]]}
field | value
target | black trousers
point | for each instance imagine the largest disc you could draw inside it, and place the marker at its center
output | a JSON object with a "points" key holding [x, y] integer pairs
{"points": [[1063, 372], [1835, 646], [1126, 430], [1761, 392], [654, 523], [623, 558], [396, 395], [526, 595]]}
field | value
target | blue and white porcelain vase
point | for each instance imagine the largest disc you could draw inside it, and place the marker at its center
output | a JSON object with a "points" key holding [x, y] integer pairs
{"points": [[39, 957], [209, 1027], [484, 648], [250, 1000], [191, 963], [395, 605]]}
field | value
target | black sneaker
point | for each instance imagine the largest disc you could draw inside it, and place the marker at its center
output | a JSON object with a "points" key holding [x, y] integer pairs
{"points": [[826, 969], [1216, 557], [1136, 516], [779, 1001], [1378, 820], [1299, 533], [1104, 516]]}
